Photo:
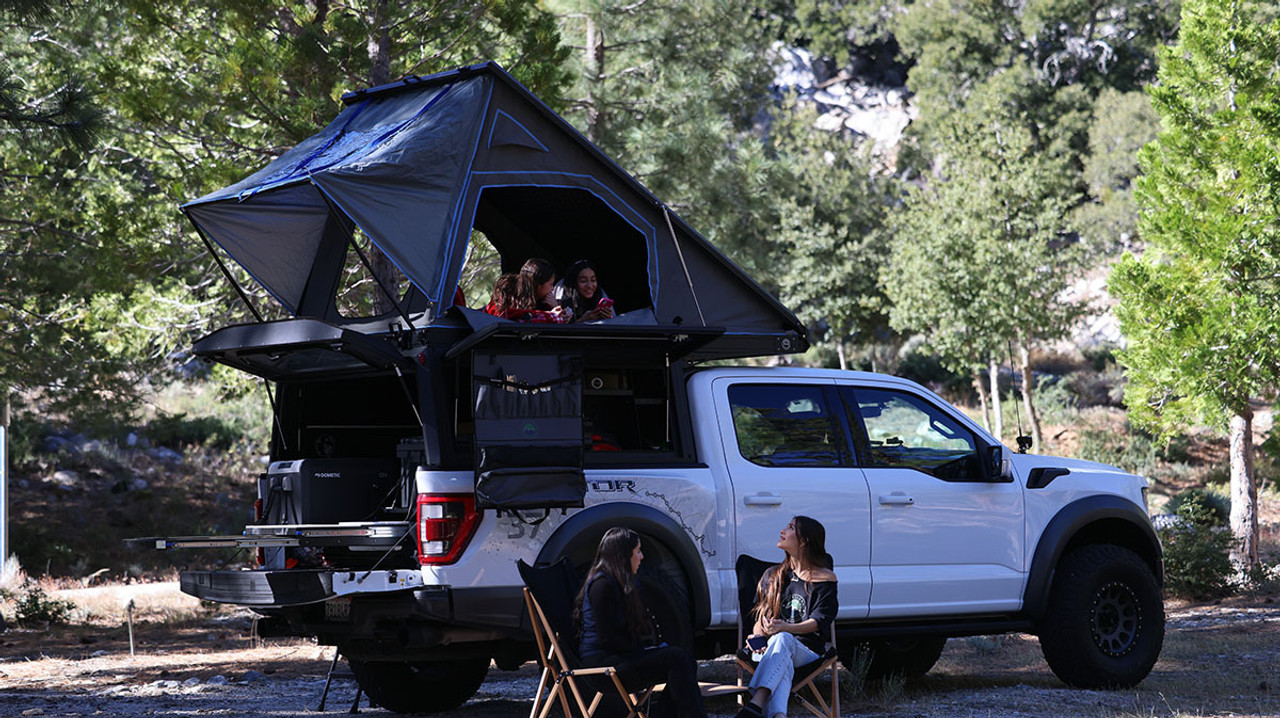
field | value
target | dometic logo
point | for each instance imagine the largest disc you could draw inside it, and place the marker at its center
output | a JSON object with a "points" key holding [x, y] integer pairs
{"points": [[328, 475], [529, 428]]}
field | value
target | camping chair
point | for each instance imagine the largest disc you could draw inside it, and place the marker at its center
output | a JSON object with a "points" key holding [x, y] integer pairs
{"points": [[549, 594], [749, 571]]}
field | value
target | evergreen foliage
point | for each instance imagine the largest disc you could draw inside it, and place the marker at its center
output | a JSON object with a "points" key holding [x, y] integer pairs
{"points": [[673, 92], [979, 257], [1199, 306], [1196, 563], [830, 240], [101, 280]]}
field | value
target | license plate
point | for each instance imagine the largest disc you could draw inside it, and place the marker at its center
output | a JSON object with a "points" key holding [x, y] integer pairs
{"points": [[337, 609]]}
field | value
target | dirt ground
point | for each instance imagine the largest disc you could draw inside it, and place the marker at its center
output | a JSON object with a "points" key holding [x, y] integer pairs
{"points": [[1219, 659]]}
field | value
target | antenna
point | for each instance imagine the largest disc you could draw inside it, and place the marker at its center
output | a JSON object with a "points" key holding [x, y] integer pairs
{"points": [[1024, 441]]}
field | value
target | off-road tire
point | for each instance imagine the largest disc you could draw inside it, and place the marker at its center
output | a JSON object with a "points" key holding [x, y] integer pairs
{"points": [[420, 687], [906, 657], [667, 600], [1104, 626]]}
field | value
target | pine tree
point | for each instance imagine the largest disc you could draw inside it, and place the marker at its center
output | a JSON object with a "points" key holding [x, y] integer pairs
{"points": [[1200, 306], [980, 258], [673, 92]]}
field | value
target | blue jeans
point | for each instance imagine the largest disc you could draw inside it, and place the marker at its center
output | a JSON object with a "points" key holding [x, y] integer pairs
{"points": [[777, 668]]}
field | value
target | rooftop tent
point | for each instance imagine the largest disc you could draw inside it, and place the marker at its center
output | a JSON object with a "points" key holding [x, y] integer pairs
{"points": [[417, 164]]}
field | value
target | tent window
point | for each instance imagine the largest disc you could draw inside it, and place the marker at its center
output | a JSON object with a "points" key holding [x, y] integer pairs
{"points": [[563, 225], [358, 293], [481, 269]]}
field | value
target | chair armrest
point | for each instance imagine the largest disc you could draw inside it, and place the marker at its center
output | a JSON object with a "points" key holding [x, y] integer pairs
{"points": [[598, 671]]}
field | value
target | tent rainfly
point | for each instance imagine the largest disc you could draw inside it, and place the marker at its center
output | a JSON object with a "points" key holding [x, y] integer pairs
{"points": [[417, 165]]}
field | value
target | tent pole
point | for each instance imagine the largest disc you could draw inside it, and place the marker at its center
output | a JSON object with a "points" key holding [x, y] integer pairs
{"points": [[408, 322], [674, 240], [227, 273]]}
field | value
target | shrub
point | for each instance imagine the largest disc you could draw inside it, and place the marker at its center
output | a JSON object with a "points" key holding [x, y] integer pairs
{"points": [[179, 430], [1206, 505], [1131, 450], [32, 606], [1097, 388], [1196, 561], [1263, 579], [927, 369]]}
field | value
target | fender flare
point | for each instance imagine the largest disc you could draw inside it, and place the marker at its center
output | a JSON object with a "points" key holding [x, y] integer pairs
{"points": [[585, 528], [1093, 519]]}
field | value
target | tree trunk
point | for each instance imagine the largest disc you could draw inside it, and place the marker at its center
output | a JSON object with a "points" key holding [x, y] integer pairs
{"points": [[844, 364], [1244, 494], [981, 388], [593, 66], [379, 49], [4, 478], [997, 415], [1037, 439]]}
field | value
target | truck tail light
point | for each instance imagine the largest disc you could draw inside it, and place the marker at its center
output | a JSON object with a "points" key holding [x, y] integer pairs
{"points": [[445, 525]]}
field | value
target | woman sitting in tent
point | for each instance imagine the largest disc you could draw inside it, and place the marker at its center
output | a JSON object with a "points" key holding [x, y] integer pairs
{"points": [[580, 293], [514, 299], [542, 281]]}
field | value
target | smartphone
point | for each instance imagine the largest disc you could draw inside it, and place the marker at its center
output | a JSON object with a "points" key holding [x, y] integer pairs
{"points": [[757, 643], [605, 303]]}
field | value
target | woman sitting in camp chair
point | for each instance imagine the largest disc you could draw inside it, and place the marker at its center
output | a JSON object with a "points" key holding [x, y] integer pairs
{"points": [[795, 604], [613, 628]]}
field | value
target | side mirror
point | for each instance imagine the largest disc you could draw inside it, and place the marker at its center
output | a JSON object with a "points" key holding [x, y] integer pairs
{"points": [[996, 467]]}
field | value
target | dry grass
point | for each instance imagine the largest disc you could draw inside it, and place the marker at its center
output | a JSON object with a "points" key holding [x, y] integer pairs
{"points": [[1219, 659]]}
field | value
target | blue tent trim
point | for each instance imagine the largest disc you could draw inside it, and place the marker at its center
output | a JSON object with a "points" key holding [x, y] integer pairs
{"points": [[518, 136], [419, 164]]}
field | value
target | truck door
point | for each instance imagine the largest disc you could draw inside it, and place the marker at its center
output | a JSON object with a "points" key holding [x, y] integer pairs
{"points": [[786, 451], [945, 538]]}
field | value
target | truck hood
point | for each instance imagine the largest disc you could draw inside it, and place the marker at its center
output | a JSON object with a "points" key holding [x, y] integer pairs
{"points": [[1024, 463]]}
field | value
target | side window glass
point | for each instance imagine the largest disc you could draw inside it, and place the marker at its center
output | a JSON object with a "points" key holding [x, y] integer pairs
{"points": [[784, 425], [904, 431]]}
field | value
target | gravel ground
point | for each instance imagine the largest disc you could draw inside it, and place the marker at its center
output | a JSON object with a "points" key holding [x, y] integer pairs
{"points": [[1219, 660]]}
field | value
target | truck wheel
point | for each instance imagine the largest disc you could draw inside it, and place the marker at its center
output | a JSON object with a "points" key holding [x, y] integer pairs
{"points": [[420, 687], [907, 657], [667, 599], [1104, 626]]}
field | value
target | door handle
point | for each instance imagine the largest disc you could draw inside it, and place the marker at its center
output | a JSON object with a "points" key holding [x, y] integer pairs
{"points": [[762, 500], [897, 498]]}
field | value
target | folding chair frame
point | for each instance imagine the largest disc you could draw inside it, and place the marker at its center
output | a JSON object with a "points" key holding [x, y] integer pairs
{"points": [[561, 677]]}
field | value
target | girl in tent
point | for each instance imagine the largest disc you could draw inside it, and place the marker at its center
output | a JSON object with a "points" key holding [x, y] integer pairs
{"points": [[513, 298], [542, 278], [581, 293]]}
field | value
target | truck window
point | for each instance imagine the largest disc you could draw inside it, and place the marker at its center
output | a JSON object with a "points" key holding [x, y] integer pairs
{"points": [[784, 425], [905, 431]]}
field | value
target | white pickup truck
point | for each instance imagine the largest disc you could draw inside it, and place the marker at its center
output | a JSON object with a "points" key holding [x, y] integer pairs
{"points": [[416, 455], [936, 529]]}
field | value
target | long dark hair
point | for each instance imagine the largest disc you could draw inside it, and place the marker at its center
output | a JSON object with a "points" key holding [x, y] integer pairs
{"points": [[812, 536], [579, 304], [613, 559]]}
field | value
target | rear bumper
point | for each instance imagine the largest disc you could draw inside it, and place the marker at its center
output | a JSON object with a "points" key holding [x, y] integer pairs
{"points": [[377, 598], [294, 587]]}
